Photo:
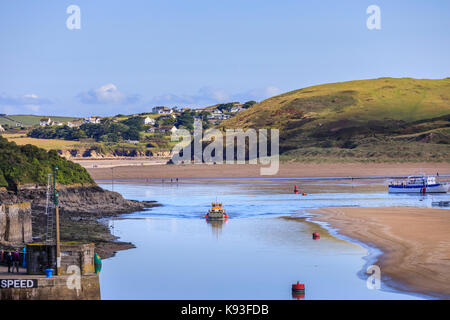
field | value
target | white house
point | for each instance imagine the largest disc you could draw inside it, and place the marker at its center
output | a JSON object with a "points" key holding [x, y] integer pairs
{"points": [[1, 128], [149, 121], [168, 129], [93, 119], [236, 109], [45, 122], [162, 110], [74, 124]]}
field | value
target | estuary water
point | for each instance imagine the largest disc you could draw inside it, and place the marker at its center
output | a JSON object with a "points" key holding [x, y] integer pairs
{"points": [[263, 248]]}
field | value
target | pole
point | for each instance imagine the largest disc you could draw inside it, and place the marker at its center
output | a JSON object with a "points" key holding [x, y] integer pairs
{"points": [[58, 244], [112, 179]]}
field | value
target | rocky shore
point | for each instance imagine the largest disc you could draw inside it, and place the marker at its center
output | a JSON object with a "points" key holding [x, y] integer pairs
{"points": [[81, 210]]}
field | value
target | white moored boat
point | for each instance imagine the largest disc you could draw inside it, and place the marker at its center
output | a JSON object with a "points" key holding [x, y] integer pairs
{"points": [[418, 184]]}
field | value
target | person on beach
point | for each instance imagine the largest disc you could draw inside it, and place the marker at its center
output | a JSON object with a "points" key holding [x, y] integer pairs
{"points": [[16, 260], [8, 259]]}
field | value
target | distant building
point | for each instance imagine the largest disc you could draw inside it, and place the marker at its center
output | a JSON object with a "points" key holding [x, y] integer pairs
{"points": [[56, 123], [168, 116], [93, 119], [1, 128], [236, 109], [167, 129], [74, 124], [162, 110], [151, 130], [149, 121], [45, 122]]}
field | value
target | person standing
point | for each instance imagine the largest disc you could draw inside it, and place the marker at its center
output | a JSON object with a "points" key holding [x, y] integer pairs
{"points": [[16, 260], [8, 259]]}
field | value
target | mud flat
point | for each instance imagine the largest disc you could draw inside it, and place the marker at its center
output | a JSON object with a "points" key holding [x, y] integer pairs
{"points": [[286, 170], [415, 243]]}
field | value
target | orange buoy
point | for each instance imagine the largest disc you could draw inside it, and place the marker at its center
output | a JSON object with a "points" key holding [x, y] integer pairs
{"points": [[316, 236], [304, 194]]}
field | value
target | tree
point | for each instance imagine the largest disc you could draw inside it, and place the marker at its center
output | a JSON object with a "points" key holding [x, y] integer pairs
{"points": [[249, 104]]}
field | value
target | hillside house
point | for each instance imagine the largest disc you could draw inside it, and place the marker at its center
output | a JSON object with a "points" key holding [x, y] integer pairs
{"points": [[93, 119], [74, 124], [1, 128], [168, 116], [236, 109], [167, 129], [45, 122], [162, 110], [149, 121]]}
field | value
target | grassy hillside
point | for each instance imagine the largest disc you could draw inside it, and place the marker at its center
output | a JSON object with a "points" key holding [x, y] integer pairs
{"points": [[364, 116], [30, 164], [30, 120]]}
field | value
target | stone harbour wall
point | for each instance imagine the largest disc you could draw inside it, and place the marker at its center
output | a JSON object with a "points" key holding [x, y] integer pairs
{"points": [[15, 223], [56, 288]]}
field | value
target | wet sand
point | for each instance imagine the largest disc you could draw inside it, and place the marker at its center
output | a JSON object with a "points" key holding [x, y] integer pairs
{"points": [[123, 169], [415, 243]]}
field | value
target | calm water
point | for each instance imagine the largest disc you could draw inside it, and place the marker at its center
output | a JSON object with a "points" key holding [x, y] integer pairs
{"points": [[256, 254]]}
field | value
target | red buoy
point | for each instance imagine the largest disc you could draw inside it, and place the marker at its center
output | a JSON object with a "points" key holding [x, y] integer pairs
{"points": [[298, 288], [316, 236], [295, 190]]}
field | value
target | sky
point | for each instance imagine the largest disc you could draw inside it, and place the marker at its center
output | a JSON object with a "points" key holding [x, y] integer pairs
{"points": [[128, 56]]}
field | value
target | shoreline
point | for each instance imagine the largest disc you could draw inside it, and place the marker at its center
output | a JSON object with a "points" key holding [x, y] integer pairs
{"points": [[414, 260], [120, 170]]}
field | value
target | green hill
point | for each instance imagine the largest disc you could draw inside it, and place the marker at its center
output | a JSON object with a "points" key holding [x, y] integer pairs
{"points": [[30, 164], [378, 119], [29, 120]]}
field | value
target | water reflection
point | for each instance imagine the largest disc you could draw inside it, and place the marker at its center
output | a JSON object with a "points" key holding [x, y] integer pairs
{"points": [[298, 296], [216, 226]]}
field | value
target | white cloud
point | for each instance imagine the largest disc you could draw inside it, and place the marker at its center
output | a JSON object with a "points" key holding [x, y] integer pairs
{"points": [[27, 103], [108, 93], [210, 96]]}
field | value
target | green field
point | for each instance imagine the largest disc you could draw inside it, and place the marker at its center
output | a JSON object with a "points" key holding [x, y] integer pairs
{"points": [[30, 120]]}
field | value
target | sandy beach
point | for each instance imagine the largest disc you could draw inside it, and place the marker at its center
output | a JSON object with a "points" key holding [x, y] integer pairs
{"points": [[124, 169], [415, 243]]}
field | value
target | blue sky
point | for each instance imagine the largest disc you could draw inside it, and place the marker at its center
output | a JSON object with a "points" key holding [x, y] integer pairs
{"points": [[131, 55]]}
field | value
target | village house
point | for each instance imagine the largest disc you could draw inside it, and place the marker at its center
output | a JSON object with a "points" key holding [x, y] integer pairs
{"points": [[149, 121], [167, 129], [168, 116], [1, 128], [93, 119], [45, 122], [151, 130], [162, 110], [216, 114], [236, 109], [74, 124]]}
